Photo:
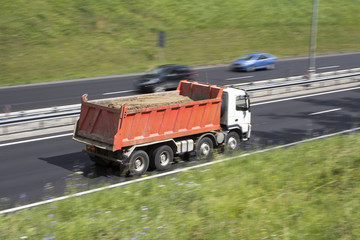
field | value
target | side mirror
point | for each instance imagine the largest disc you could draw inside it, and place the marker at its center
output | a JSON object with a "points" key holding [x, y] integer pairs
{"points": [[247, 99]]}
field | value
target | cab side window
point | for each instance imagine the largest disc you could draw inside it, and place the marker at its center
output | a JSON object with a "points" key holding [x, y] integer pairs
{"points": [[241, 103]]}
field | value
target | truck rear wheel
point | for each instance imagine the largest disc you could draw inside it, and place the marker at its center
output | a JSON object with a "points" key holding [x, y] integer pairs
{"points": [[138, 163], [162, 158], [204, 148]]}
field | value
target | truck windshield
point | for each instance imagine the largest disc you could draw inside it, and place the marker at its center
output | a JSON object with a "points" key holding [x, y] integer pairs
{"points": [[242, 103]]}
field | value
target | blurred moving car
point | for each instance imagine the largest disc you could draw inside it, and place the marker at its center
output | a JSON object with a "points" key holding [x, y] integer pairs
{"points": [[164, 77], [254, 61]]}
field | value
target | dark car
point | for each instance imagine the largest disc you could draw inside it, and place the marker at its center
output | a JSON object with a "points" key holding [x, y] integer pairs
{"points": [[164, 77], [254, 61]]}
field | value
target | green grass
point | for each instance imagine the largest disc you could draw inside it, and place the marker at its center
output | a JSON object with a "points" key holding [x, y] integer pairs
{"points": [[53, 40], [310, 191]]}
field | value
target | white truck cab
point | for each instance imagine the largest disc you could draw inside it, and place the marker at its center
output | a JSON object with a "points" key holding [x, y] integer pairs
{"points": [[235, 111]]}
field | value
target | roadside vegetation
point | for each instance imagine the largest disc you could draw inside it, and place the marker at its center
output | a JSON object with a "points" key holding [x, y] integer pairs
{"points": [[55, 40], [310, 191]]}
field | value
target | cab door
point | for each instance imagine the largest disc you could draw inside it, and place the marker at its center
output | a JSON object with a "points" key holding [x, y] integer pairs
{"points": [[236, 113], [242, 109]]}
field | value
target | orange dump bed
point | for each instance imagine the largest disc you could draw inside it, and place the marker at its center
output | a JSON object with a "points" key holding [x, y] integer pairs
{"points": [[105, 125]]}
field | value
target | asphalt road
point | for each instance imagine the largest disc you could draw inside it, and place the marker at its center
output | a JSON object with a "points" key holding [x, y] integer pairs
{"points": [[69, 92], [37, 170]]}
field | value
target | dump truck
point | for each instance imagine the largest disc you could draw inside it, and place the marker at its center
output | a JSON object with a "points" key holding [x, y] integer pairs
{"points": [[149, 130]]}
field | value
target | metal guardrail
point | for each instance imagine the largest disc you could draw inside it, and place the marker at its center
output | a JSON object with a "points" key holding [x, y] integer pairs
{"points": [[14, 118]]}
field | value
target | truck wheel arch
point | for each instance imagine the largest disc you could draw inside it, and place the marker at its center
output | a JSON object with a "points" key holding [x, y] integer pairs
{"points": [[209, 135], [235, 128], [149, 147]]}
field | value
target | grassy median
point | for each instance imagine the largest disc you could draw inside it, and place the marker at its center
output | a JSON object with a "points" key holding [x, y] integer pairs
{"points": [[53, 40], [310, 191]]}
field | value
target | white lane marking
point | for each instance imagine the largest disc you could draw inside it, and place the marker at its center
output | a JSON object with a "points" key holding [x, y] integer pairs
{"points": [[35, 139], [236, 78], [326, 111], [305, 96], [111, 93], [328, 67], [170, 173]]}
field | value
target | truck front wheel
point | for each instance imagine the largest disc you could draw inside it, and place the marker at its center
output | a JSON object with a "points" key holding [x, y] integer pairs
{"points": [[138, 163], [204, 148], [162, 158], [232, 141]]}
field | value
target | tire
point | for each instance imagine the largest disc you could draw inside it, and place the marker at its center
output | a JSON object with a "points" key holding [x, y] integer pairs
{"points": [[138, 163], [249, 69], [204, 149], [101, 161], [159, 89], [162, 158], [232, 142], [270, 66]]}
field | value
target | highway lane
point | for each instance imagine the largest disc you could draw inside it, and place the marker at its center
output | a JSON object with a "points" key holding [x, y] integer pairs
{"points": [[28, 169], [69, 92], [302, 118], [40, 170]]}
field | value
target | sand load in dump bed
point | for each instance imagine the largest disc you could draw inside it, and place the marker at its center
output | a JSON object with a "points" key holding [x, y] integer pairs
{"points": [[148, 101]]}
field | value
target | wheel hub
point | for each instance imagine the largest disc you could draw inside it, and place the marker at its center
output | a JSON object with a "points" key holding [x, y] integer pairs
{"points": [[205, 150], [232, 143], [138, 164], [164, 159]]}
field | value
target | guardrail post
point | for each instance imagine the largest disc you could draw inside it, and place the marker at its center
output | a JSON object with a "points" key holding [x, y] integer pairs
{"points": [[4, 130]]}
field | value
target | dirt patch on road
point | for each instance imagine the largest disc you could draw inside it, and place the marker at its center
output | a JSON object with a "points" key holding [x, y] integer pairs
{"points": [[149, 100]]}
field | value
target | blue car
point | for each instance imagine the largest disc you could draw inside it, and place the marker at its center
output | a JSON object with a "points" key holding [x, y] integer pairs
{"points": [[254, 61]]}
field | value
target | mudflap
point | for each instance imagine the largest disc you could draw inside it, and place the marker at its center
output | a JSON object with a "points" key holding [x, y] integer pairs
{"points": [[124, 165]]}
